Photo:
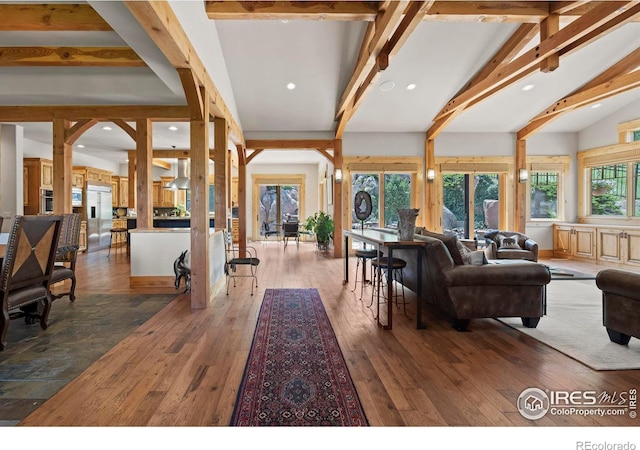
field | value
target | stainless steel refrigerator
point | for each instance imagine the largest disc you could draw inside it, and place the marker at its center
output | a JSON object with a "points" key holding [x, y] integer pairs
{"points": [[99, 216]]}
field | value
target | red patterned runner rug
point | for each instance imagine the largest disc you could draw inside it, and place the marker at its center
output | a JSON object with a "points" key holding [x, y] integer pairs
{"points": [[296, 374]]}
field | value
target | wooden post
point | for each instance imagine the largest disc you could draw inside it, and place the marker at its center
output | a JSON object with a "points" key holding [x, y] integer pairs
{"points": [[200, 276], [337, 200], [132, 182], [242, 197], [144, 174], [62, 168], [220, 171], [432, 215], [521, 188]]}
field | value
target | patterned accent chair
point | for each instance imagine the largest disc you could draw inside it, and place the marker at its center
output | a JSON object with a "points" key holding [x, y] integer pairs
{"points": [[26, 271], [66, 255], [510, 245]]}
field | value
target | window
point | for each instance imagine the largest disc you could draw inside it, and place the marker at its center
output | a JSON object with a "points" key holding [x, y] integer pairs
{"points": [[370, 183], [458, 196], [635, 136], [544, 195], [609, 190], [397, 195]]}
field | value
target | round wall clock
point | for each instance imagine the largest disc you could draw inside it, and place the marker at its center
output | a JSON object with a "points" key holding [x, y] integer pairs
{"points": [[362, 205]]}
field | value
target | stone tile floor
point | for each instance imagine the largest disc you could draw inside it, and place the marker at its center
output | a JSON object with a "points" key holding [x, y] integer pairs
{"points": [[37, 363]]}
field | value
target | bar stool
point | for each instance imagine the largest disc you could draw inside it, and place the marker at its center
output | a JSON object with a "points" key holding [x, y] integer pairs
{"points": [[364, 255], [397, 265], [120, 234]]}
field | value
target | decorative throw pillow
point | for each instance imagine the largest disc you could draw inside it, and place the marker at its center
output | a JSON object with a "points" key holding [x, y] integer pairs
{"points": [[477, 258], [449, 241], [509, 242]]}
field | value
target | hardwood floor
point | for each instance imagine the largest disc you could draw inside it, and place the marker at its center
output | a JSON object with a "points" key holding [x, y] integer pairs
{"points": [[183, 367]]}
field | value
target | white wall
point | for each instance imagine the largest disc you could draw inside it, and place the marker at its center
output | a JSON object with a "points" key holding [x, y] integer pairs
{"points": [[11, 180], [383, 144], [33, 149], [605, 132]]}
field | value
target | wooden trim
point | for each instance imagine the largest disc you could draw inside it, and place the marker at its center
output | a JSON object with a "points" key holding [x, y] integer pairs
{"points": [[97, 112], [70, 56], [78, 129], [289, 144], [276, 179], [126, 128], [51, 17], [285, 10], [192, 93], [152, 281]]}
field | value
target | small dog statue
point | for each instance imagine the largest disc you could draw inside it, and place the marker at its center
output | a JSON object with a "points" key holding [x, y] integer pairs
{"points": [[181, 272]]}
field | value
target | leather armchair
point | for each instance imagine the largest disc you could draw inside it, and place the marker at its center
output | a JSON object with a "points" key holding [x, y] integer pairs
{"points": [[515, 246], [620, 304]]}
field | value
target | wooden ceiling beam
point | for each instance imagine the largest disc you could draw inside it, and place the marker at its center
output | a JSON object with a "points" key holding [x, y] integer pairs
{"points": [[289, 144], [283, 10], [162, 25], [101, 113], [77, 130], [192, 93], [70, 56], [615, 86], [50, 17], [626, 65], [581, 27], [516, 42], [253, 154], [385, 24], [510, 11], [549, 26], [565, 7]]}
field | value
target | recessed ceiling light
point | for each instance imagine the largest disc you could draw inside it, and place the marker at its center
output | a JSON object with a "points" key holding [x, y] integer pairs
{"points": [[80, 146], [291, 86], [172, 128], [387, 86], [107, 128], [411, 86], [597, 105], [528, 87]]}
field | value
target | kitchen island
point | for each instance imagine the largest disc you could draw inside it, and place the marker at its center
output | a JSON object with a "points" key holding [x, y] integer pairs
{"points": [[153, 252], [167, 222]]}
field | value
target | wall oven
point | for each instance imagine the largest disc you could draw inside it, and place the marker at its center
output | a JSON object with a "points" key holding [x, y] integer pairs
{"points": [[46, 201]]}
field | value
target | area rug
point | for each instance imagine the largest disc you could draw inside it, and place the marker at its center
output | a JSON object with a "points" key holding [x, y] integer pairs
{"points": [[296, 374], [573, 326]]}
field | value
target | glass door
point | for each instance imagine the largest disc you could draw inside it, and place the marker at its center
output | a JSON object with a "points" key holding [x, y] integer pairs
{"points": [[471, 203], [277, 204]]}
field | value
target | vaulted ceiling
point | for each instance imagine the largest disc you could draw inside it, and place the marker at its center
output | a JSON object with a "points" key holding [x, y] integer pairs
{"points": [[469, 62]]}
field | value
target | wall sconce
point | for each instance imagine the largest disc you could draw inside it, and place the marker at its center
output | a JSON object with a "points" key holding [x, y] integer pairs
{"points": [[338, 176], [431, 175], [523, 175]]}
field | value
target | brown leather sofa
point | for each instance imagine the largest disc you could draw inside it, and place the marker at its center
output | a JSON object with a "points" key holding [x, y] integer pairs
{"points": [[468, 291], [620, 304], [510, 245]]}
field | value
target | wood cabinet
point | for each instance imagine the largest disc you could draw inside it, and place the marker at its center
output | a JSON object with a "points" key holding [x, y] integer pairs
{"points": [[619, 245], [77, 179], [83, 236], [157, 194], [609, 245], [574, 241], [93, 174], [37, 175], [235, 230], [120, 192], [169, 197]]}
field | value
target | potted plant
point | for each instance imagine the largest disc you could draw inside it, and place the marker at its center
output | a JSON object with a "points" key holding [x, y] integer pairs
{"points": [[321, 224], [601, 187], [181, 210]]}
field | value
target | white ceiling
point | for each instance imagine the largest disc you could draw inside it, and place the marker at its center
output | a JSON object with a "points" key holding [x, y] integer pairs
{"points": [[261, 57]]}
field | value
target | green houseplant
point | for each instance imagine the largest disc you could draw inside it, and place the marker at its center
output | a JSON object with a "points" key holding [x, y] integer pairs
{"points": [[321, 224]]}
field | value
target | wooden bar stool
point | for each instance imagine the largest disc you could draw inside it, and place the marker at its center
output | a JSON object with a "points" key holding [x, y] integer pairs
{"points": [[121, 235]]}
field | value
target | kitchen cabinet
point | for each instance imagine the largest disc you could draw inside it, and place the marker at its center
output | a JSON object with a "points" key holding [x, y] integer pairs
{"points": [[83, 236], [120, 192], [93, 174], [235, 230], [37, 175], [168, 196], [157, 194], [77, 179], [571, 240]]}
